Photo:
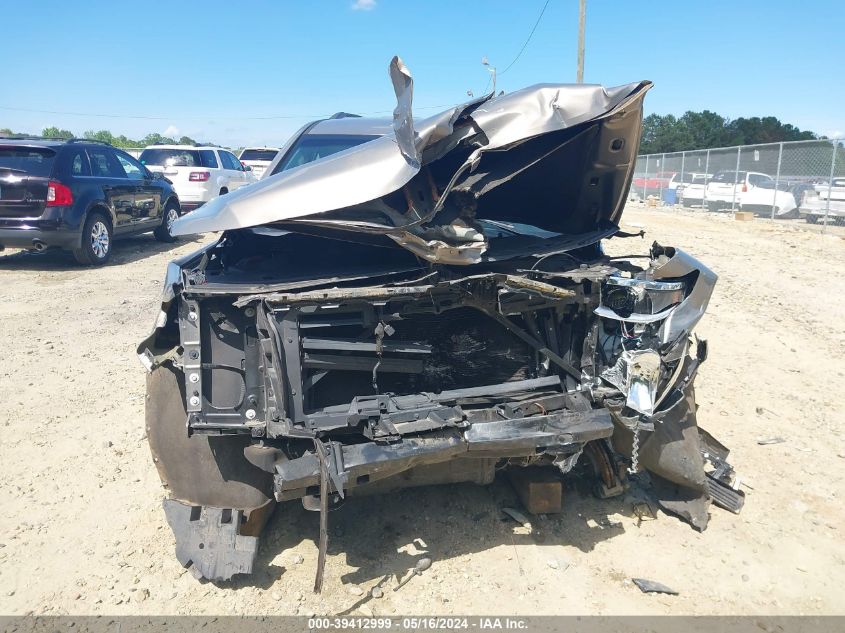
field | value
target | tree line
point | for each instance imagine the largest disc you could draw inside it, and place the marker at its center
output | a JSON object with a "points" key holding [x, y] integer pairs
{"points": [[661, 133], [108, 137], [706, 130]]}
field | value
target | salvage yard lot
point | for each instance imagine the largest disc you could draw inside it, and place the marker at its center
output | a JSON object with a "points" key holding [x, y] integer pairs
{"points": [[82, 529]]}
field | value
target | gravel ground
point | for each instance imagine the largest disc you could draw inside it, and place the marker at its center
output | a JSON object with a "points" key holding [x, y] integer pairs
{"points": [[82, 530]]}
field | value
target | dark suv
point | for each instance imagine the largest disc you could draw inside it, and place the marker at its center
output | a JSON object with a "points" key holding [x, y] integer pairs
{"points": [[79, 195]]}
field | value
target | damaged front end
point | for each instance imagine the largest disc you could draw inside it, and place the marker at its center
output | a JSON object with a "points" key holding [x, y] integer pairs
{"points": [[452, 317]]}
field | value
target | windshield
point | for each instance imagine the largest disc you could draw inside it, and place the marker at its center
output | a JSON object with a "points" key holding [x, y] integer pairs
{"points": [[171, 157], [259, 154], [729, 177], [311, 147], [35, 161]]}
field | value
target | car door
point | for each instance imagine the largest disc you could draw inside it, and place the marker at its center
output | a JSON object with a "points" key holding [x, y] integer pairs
{"points": [[234, 170], [148, 202], [759, 190], [118, 189]]}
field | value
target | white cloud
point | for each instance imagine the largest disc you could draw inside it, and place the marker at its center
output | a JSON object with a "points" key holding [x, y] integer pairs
{"points": [[171, 131], [364, 5]]}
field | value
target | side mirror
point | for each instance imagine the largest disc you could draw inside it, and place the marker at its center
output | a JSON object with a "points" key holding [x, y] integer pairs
{"points": [[247, 167]]}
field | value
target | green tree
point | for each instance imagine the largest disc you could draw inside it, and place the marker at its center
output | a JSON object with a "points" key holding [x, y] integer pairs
{"points": [[766, 130], [107, 136], [706, 129], [54, 132], [122, 141], [102, 135], [153, 138], [664, 134]]}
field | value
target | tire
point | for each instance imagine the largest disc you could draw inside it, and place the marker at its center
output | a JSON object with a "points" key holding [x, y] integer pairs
{"points": [[202, 470], [96, 242], [162, 232], [711, 206], [223, 191], [812, 219]]}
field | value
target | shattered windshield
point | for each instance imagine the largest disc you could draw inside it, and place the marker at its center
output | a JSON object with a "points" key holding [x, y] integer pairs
{"points": [[311, 147]]}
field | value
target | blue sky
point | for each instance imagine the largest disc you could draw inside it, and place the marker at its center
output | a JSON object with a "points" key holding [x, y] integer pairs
{"points": [[210, 69]]}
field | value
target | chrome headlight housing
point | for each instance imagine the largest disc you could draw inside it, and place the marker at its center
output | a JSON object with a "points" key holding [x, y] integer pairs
{"points": [[637, 375]]}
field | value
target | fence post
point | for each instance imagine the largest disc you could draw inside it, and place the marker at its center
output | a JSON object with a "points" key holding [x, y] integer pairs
{"points": [[829, 185], [660, 180], [736, 178], [681, 181], [777, 180], [645, 178], [706, 171]]}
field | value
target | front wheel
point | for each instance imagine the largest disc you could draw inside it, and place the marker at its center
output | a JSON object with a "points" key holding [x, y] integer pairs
{"points": [[812, 219], [164, 232], [96, 242]]}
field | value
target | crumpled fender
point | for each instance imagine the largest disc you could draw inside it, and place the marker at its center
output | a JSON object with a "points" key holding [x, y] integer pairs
{"points": [[672, 456], [670, 448]]}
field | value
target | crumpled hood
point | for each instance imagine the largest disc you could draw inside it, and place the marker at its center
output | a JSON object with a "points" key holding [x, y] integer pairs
{"points": [[556, 157]]}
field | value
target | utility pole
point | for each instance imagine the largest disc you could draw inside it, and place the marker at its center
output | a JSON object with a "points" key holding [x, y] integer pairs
{"points": [[582, 18]]}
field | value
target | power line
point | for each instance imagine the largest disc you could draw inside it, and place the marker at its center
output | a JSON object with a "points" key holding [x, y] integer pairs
{"points": [[530, 35]]}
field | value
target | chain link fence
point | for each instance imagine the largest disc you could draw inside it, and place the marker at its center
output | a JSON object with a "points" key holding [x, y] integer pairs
{"points": [[786, 180]]}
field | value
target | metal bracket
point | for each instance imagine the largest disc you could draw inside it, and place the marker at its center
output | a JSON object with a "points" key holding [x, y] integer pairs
{"points": [[189, 337], [293, 366]]}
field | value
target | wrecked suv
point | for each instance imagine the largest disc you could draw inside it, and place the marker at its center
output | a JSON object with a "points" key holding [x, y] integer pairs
{"points": [[424, 303]]}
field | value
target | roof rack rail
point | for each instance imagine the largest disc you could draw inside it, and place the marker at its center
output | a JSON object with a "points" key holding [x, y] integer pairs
{"points": [[88, 140], [31, 137], [35, 137]]}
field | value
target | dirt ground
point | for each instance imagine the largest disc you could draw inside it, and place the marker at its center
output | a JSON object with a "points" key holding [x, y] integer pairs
{"points": [[82, 530]]}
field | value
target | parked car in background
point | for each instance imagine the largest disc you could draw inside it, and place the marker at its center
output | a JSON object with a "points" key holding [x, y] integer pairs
{"points": [[79, 195], [198, 172], [258, 158], [748, 191], [652, 185], [691, 191], [824, 200]]}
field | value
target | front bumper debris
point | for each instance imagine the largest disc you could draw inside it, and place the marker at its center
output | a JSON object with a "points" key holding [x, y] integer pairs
{"points": [[208, 542], [362, 464]]}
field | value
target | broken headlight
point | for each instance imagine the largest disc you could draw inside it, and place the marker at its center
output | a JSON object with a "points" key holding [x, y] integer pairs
{"points": [[639, 300], [634, 309]]}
